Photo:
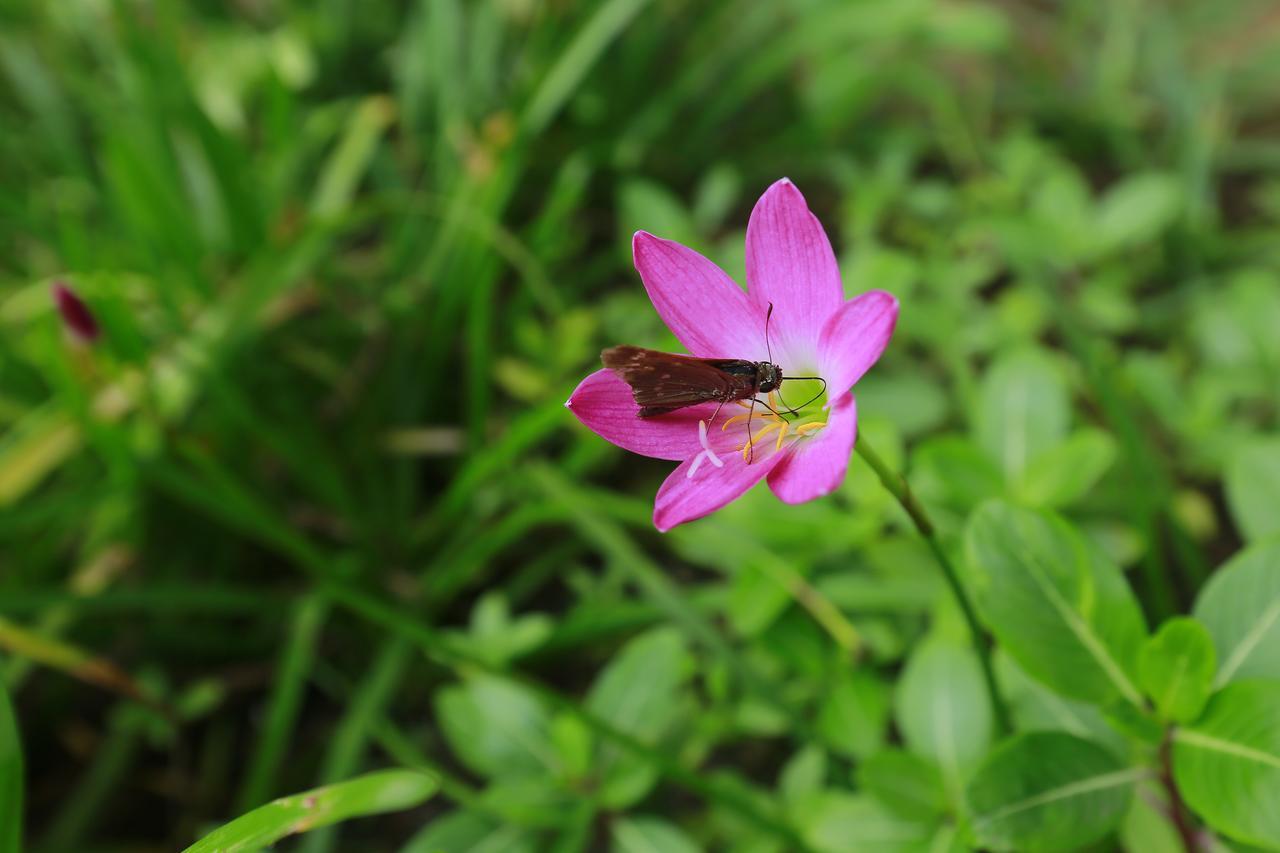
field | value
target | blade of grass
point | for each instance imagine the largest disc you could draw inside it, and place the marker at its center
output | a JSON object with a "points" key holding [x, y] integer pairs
{"points": [[290, 681], [112, 762], [586, 48], [367, 706], [156, 597], [371, 794], [11, 777], [67, 658]]}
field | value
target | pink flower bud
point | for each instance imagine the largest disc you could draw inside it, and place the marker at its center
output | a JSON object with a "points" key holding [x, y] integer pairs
{"points": [[76, 316]]}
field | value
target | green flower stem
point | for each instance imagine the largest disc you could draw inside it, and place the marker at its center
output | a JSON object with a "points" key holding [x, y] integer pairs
{"points": [[898, 487]]}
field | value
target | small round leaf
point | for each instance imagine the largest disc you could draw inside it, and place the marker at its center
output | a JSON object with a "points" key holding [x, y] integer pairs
{"points": [[1176, 668]]}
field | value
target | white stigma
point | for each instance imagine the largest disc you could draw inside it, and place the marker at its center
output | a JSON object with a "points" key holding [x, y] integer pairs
{"points": [[706, 445], [707, 452]]}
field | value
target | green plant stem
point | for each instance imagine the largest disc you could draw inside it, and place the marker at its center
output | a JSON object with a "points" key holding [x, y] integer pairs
{"points": [[1178, 813], [898, 487]]}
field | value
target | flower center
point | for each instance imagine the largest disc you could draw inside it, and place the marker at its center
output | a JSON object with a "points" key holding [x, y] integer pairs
{"points": [[801, 417]]}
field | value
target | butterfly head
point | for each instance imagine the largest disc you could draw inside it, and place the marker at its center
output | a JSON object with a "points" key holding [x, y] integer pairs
{"points": [[768, 377]]}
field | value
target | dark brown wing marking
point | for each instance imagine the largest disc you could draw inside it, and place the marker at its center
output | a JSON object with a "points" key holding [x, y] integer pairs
{"points": [[662, 382]]}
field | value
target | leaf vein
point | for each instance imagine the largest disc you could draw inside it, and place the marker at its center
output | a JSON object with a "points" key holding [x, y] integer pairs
{"points": [[1083, 633], [1249, 643], [1204, 741], [1073, 789]]}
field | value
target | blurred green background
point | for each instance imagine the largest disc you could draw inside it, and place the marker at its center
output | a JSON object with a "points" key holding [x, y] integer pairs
{"points": [[349, 259]]}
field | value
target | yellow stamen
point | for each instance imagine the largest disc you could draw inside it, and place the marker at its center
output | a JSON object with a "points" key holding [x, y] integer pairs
{"points": [[736, 418], [782, 433], [808, 428], [761, 433]]}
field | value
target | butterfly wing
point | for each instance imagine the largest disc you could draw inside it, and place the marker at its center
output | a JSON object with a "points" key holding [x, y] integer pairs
{"points": [[662, 382]]}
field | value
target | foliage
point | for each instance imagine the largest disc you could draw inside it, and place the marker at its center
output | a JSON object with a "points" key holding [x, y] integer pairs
{"points": [[371, 794], [309, 505]]}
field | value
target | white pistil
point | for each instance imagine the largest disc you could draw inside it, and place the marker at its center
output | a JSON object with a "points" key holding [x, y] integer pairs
{"points": [[707, 453], [697, 463], [706, 445]]}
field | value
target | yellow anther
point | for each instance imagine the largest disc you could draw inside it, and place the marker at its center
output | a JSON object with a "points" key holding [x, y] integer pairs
{"points": [[810, 427], [782, 433]]}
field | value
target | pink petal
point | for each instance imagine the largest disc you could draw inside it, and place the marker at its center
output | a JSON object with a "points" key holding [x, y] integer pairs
{"points": [[603, 402], [700, 304], [790, 263], [852, 340], [683, 498], [814, 467]]}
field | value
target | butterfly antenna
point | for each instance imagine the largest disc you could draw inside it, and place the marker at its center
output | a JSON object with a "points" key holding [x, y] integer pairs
{"points": [[783, 401], [769, 348], [768, 315], [811, 399]]}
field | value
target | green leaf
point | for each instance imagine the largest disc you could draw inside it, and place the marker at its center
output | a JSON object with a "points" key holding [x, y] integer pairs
{"points": [[11, 780], [1037, 708], [1240, 605], [1176, 668], [755, 600], [905, 783], [339, 177], [373, 793], [854, 713], [1227, 765], [1064, 474], [1137, 210], [495, 727], [1147, 827], [649, 835], [1043, 791], [955, 472], [942, 709], [472, 832], [837, 822], [1253, 488], [496, 637], [1023, 410], [638, 693], [803, 774], [645, 205], [529, 801], [1062, 611], [914, 403]]}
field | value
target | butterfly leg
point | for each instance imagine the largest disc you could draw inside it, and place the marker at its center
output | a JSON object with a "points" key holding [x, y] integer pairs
{"points": [[751, 447], [715, 413]]}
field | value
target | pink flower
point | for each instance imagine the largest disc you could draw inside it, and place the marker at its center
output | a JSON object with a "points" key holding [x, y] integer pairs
{"points": [[813, 332]]}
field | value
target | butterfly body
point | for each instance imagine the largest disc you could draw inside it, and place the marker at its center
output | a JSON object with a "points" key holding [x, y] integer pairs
{"points": [[663, 382]]}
